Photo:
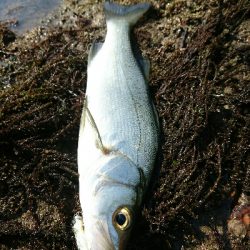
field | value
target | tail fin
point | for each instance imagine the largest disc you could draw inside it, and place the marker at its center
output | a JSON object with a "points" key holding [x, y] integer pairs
{"points": [[130, 13]]}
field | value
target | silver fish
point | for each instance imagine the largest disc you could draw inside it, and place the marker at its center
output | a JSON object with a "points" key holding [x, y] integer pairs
{"points": [[118, 137]]}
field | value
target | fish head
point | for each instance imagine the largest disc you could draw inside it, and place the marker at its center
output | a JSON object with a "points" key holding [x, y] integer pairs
{"points": [[109, 210], [108, 225]]}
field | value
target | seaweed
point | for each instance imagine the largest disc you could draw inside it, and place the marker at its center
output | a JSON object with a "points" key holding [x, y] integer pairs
{"points": [[40, 115]]}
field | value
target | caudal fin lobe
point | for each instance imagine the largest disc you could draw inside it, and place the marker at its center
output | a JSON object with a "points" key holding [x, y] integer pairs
{"points": [[130, 13]]}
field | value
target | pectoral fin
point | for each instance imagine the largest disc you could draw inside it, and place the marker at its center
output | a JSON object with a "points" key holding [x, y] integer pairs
{"points": [[87, 117]]}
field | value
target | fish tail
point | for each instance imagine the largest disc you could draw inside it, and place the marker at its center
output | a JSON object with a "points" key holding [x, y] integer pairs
{"points": [[129, 14]]}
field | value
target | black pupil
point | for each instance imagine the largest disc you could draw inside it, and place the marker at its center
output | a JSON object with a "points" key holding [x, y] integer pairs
{"points": [[120, 219]]}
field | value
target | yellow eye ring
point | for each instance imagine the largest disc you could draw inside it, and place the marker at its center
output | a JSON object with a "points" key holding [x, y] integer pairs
{"points": [[122, 218]]}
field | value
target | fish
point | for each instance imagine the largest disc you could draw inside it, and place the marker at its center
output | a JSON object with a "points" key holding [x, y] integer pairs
{"points": [[118, 136]]}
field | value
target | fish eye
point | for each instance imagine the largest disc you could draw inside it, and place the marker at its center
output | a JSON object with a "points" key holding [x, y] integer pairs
{"points": [[122, 218]]}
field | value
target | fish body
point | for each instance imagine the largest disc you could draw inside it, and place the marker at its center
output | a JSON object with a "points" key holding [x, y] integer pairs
{"points": [[118, 136]]}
